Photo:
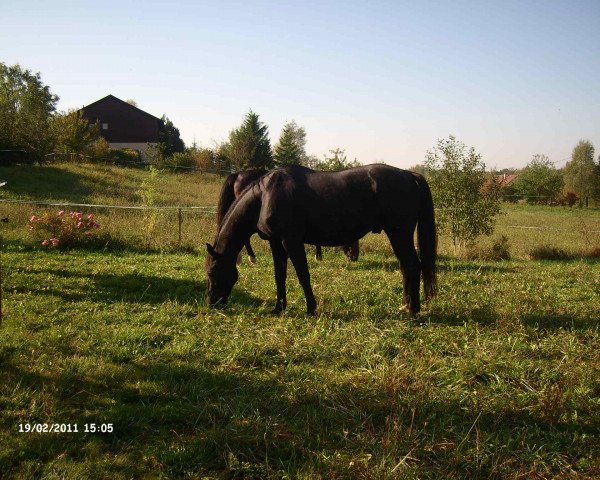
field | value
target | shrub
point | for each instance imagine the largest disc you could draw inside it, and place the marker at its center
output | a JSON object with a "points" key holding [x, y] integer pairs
{"points": [[65, 230], [100, 150], [126, 155], [594, 253], [499, 250], [179, 160], [546, 252], [570, 199]]}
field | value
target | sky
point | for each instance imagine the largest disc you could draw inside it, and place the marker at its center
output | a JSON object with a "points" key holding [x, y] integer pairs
{"points": [[382, 80]]}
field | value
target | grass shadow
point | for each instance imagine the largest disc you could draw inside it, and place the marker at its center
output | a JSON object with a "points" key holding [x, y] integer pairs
{"points": [[137, 288], [43, 182], [559, 322], [131, 288], [180, 420]]}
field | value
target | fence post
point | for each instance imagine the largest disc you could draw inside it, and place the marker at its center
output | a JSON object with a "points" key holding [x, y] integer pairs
{"points": [[180, 220], [586, 201]]}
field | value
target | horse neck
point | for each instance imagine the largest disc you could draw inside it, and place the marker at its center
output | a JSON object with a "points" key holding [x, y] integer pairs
{"points": [[239, 223]]}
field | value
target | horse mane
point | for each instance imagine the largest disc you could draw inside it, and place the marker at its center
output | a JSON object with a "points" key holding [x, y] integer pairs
{"points": [[226, 198], [232, 207]]}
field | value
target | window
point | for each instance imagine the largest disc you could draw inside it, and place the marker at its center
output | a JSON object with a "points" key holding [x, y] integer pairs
{"points": [[105, 126]]}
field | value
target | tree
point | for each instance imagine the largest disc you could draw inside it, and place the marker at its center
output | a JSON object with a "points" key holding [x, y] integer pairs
{"points": [[287, 151], [336, 160], [169, 141], [26, 105], [72, 133], [581, 173], [539, 182], [249, 145], [457, 176], [298, 136]]}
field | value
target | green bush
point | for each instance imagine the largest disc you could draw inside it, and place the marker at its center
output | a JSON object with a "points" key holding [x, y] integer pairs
{"points": [[180, 161], [126, 155]]}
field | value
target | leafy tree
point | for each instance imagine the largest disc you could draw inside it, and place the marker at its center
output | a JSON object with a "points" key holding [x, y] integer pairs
{"points": [[581, 174], [249, 145], [169, 141], [539, 182], [457, 176], [72, 132], [287, 151], [337, 160], [26, 105]]}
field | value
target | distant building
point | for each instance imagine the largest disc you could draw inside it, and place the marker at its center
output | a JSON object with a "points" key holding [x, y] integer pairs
{"points": [[124, 125], [506, 180]]}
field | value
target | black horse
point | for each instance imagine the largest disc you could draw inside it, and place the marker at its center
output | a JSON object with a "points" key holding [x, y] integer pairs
{"points": [[234, 186], [292, 206]]}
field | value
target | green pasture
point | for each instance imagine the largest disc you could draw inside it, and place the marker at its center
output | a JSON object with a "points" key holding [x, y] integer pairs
{"points": [[499, 376]]}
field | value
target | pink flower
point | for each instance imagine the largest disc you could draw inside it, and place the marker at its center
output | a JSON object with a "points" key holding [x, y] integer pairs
{"points": [[80, 224], [95, 225], [61, 213], [33, 219], [54, 241], [90, 217], [45, 243]]}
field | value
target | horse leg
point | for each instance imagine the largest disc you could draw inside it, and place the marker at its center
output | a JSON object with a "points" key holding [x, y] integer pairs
{"points": [[403, 245], [318, 253], [297, 255], [351, 251], [280, 258], [251, 255]]}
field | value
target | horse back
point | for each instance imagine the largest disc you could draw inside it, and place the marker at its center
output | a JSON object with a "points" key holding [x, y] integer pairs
{"points": [[333, 208]]}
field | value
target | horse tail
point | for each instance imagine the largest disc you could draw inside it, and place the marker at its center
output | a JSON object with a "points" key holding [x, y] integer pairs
{"points": [[427, 238], [226, 198]]}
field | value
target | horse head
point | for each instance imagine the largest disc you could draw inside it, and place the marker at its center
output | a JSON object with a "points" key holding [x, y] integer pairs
{"points": [[222, 275]]}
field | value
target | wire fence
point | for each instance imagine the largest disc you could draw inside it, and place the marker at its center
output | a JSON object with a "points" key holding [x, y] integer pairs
{"points": [[202, 210], [148, 226]]}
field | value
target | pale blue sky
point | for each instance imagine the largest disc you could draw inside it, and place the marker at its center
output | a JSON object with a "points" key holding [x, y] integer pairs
{"points": [[383, 80]]}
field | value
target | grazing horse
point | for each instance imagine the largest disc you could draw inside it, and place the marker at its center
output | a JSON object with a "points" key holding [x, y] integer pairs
{"points": [[292, 206], [234, 186]]}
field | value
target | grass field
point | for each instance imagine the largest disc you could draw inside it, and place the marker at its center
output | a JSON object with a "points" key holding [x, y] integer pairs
{"points": [[499, 377]]}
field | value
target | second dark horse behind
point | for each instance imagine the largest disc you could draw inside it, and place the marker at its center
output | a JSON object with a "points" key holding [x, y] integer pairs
{"points": [[233, 187], [292, 206]]}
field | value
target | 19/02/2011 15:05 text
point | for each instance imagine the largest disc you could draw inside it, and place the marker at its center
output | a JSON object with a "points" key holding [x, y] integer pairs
{"points": [[65, 428]]}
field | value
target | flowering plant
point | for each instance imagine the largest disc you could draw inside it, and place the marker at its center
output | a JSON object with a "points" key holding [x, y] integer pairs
{"points": [[68, 230]]}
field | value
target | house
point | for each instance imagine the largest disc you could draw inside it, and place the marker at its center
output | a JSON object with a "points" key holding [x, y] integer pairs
{"points": [[124, 125], [507, 180]]}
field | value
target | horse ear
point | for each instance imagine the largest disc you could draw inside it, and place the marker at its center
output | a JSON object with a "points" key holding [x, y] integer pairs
{"points": [[211, 251]]}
